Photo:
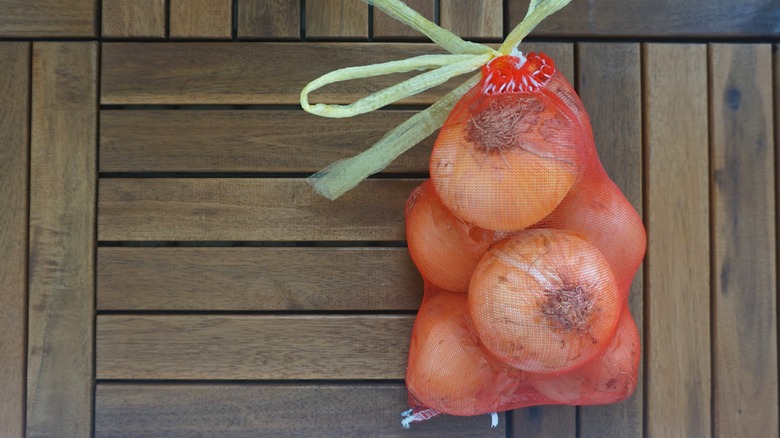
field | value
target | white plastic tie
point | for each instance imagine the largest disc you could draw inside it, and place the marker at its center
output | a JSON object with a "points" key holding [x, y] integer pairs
{"points": [[409, 416]]}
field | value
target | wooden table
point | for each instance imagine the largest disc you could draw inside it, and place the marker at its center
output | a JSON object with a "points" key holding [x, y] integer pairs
{"points": [[167, 272]]}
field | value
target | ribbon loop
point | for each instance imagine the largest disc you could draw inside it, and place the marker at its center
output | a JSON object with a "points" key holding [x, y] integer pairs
{"points": [[446, 67], [465, 57]]}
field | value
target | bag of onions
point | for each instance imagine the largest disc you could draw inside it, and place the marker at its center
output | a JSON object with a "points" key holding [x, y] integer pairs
{"points": [[526, 246]]}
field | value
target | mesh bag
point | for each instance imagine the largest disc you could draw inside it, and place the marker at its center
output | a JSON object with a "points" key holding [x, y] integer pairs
{"points": [[527, 249]]}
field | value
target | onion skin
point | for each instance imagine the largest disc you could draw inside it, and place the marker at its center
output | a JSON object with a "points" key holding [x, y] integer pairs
{"points": [[444, 248], [448, 369], [505, 162], [609, 378], [598, 209], [544, 301]]}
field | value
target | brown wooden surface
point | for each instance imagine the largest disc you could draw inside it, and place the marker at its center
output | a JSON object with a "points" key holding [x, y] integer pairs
{"points": [[14, 162], [677, 351], [269, 19], [617, 128], [270, 409], [480, 19], [336, 19], [236, 347], [545, 421], [133, 18], [48, 18], [240, 73], [271, 209], [745, 284], [212, 19], [389, 28], [248, 279], [62, 238], [652, 19], [208, 314], [248, 141]]}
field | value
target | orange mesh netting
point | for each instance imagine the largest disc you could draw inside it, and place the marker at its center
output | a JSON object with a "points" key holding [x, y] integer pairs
{"points": [[528, 251]]}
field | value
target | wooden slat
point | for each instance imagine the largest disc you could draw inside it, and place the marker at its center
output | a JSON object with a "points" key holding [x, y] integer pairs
{"points": [[62, 223], [269, 19], [483, 19], [241, 73], [389, 28], [133, 19], [610, 86], [545, 422], [14, 181], [678, 286], [248, 209], [253, 347], [273, 410], [212, 19], [47, 18], [248, 141], [248, 279], [743, 187], [645, 19], [329, 19]]}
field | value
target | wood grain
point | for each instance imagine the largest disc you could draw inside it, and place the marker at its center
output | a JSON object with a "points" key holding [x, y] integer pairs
{"points": [[336, 19], [614, 69], [269, 19], [244, 141], [48, 18], [705, 19], [133, 19], [248, 209], [241, 73], [545, 422], [14, 183], [270, 409], [249, 279], [678, 272], [480, 19], [252, 347], [387, 28], [212, 19], [62, 223], [743, 189]]}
